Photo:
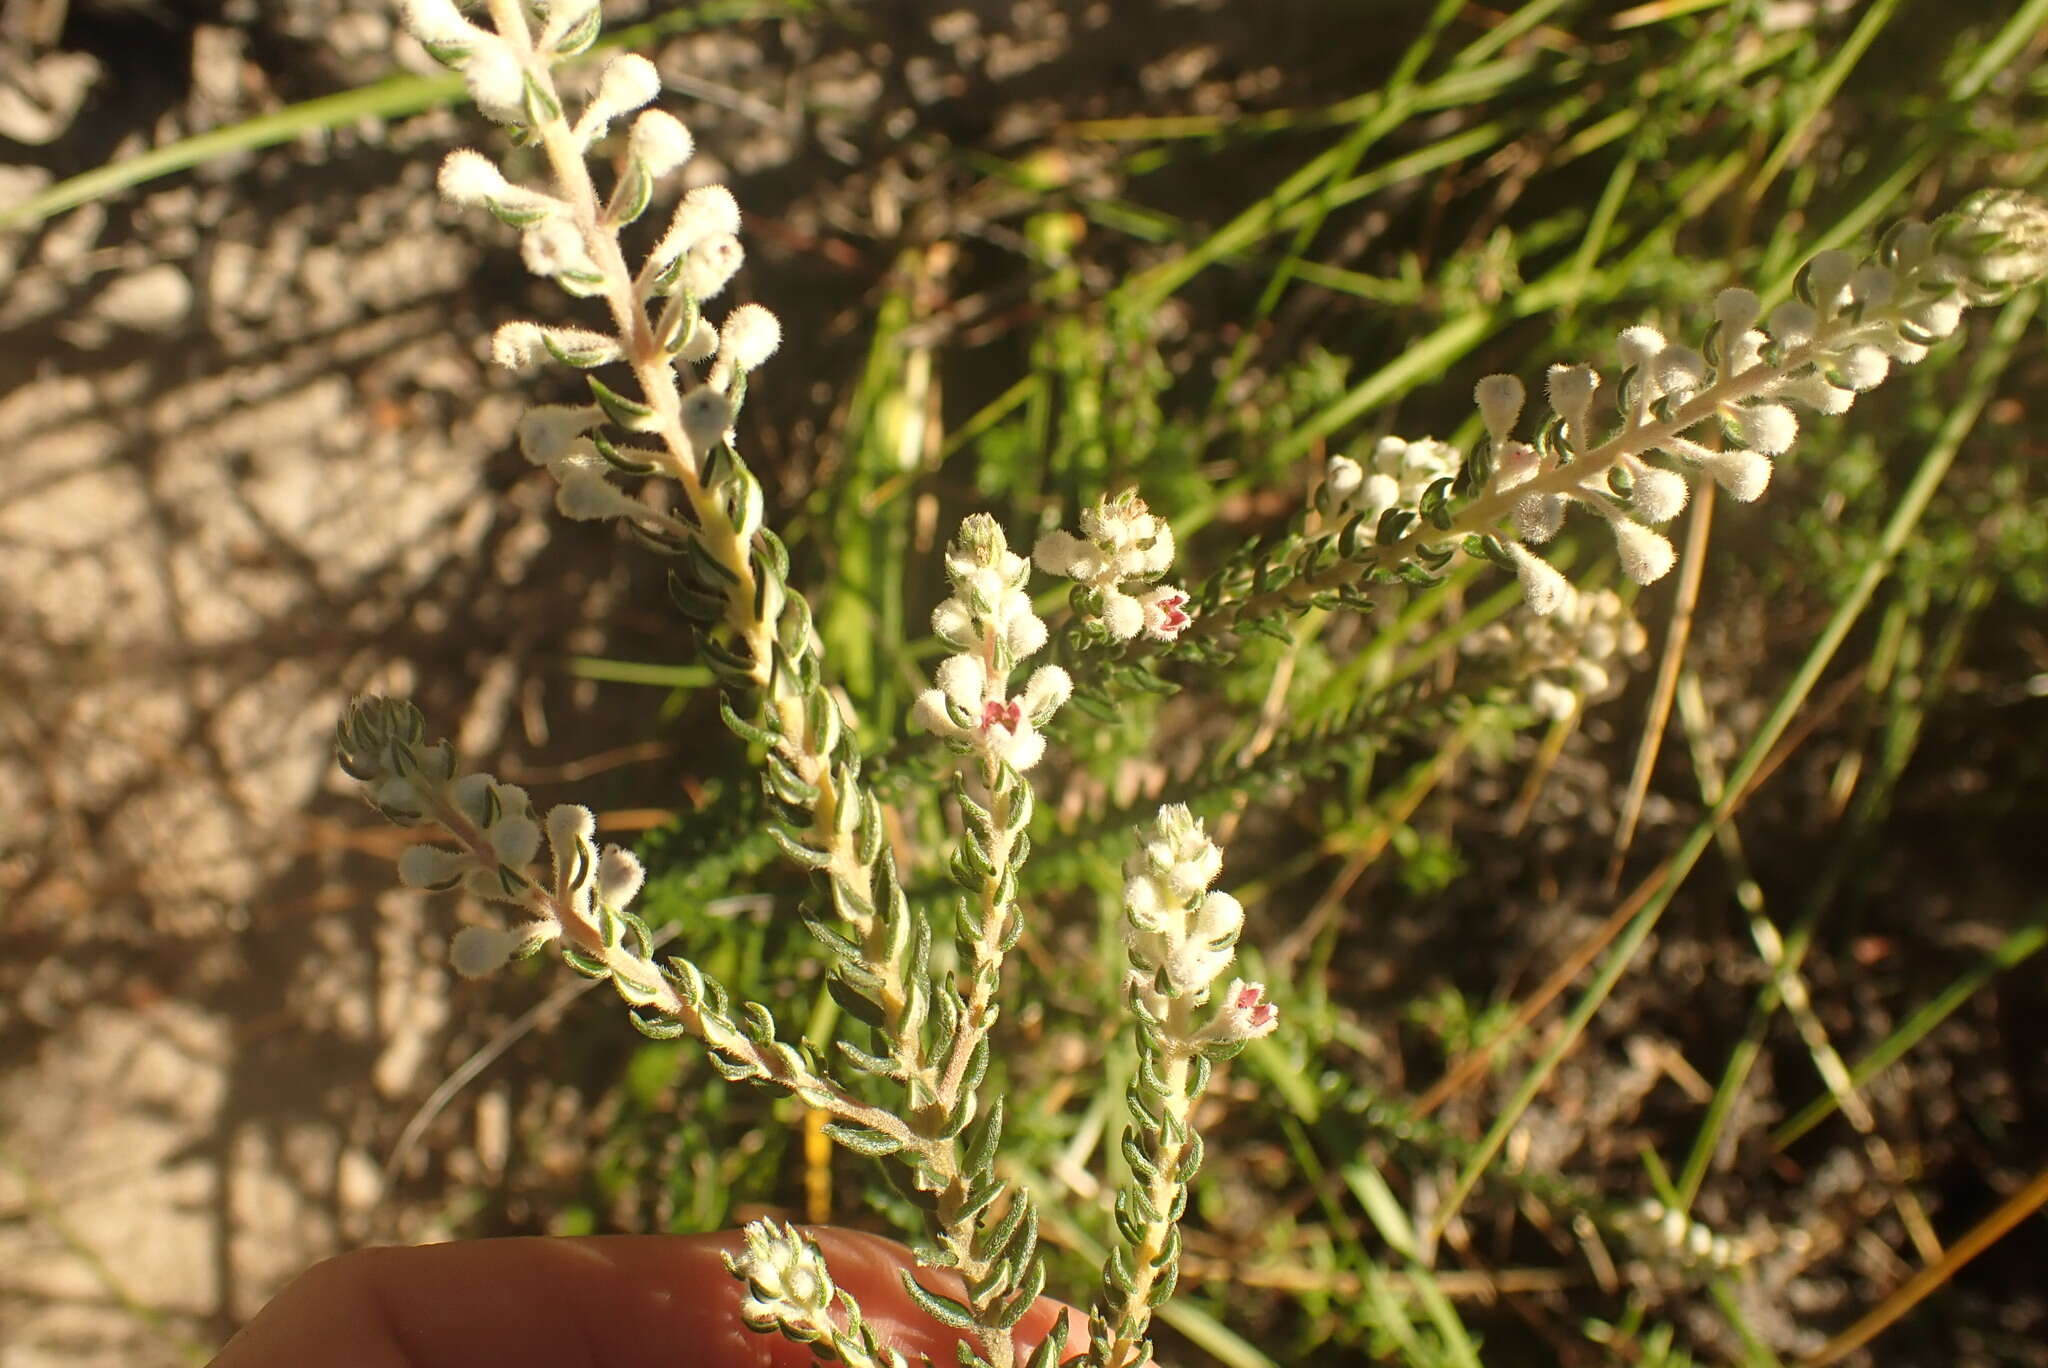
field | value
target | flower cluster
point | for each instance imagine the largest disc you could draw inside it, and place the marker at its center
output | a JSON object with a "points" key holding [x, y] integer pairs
{"points": [[1398, 474], [1850, 322], [1571, 655], [1123, 548], [1181, 934], [990, 626], [497, 842], [790, 1291], [571, 236], [1667, 1234]]}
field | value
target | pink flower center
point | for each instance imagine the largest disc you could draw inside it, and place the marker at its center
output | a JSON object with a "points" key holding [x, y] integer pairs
{"points": [[1004, 714]]}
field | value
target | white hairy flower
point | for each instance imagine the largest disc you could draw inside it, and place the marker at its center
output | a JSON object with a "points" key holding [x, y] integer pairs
{"points": [[439, 23], [1243, 1014], [467, 176], [1744, 474], [1768, 428], [1571, 390], [705, 212], [432, 867], [1863, 367], [1500, 399], [1827, 280], [629, 81], [707, 417], [660, 142], [700, 344], [480, 950], [1539, 517], [1659, 494], [710, 265], [1638, 346], [497, 83], [515, 839], [517, 345], [547, 432], [1543, 586], [1165, 607], [619, 876], [969, 707], [1646, 557], [988, 620], [1122, 614], [554, 246], [748, 337], [1793, 323], [1736, 310], [585, 495]]}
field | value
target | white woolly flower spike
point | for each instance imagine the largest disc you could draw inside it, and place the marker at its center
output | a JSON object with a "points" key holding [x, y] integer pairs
{"points": [[989, 622], [1122, 543], [1181, 933]]}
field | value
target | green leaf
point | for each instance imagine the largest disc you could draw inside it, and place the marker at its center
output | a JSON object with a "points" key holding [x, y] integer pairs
{"points": [[942, 1309], [630, 414]]}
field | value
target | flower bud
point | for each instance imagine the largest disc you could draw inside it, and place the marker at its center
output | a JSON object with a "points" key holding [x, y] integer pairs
{"points": [[660, 142], [546, 431], [629, 81], [1744, 474], [467, 176], [749, 336], [1864, 367], [1659, 494], [1737, 311], [707, 415], [1769, 428], [1639, 345], [619, 876], [439, 23], [496, 82], [1500, 399], [1646, 557], [517, 345], [710, 265], [515, 840], [2001, 239], [431, 867], [480, 950], [1545, 588]]}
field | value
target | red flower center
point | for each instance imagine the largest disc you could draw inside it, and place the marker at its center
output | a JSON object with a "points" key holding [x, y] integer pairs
{"points": [[1003, 714]]}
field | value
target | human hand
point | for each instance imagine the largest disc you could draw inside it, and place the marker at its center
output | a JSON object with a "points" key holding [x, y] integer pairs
{"points": [[619, 1301]]}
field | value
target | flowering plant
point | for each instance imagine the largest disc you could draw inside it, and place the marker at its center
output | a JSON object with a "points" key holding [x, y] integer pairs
{"points": [[1625, 448]]}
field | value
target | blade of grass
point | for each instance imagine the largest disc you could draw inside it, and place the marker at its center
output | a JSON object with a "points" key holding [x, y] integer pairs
{"points": [[1816, 95], [2016, 949]]}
